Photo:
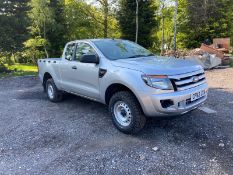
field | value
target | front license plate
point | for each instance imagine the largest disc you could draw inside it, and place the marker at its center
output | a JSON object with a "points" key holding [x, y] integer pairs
{"points": [[197, 95]]}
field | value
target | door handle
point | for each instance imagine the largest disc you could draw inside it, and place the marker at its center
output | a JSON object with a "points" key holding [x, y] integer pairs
{"points": [[74, 67]]}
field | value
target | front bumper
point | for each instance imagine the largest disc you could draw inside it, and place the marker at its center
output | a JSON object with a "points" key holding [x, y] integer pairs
{"points": [[152, 107]]}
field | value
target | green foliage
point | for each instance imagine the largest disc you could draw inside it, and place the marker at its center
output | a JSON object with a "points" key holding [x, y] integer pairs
{"points": [[42, 20], [82, 20], [3, 68], [201, 20], [166, 23], [33, 29], [13, 25], [86, 21], [47, 29], [34, 49], [60, 21], [41, 17], [57, 30], [148, 23]]}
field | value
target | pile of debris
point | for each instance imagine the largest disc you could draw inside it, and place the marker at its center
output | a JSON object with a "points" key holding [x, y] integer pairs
{"points": [[177, 54], [205, 59], [208, 56]]}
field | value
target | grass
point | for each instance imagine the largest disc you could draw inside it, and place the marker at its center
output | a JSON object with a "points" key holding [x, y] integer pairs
{"points": [[20, 70]]}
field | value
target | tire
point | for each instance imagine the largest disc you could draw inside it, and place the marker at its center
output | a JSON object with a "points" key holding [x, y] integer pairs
{"points": [[126, 112], [53, 94]]}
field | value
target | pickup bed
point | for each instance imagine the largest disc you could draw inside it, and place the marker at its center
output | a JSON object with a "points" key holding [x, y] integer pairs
{"points": [[132, 81]]}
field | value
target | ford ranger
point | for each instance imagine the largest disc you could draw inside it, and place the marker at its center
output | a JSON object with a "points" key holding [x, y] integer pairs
{"points": [[132, 81]]}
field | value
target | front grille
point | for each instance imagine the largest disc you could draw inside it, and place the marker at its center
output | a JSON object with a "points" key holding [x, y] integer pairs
{"points": [[187, 81]]}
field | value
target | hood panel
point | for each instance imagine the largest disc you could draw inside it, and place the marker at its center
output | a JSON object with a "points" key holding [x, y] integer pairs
{"points": [[156, 65]]}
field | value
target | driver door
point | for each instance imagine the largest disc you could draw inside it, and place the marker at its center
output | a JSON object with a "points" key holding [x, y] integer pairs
{"points": [[85, 76]]}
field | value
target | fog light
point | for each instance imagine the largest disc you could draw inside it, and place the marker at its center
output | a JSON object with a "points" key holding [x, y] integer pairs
{"points": [[166, 103]]}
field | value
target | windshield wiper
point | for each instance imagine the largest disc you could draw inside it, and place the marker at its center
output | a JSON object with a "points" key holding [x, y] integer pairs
{"points": [[136, 56], [150, 55]]}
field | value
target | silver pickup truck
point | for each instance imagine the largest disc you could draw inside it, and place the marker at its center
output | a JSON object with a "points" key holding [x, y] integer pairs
{"points": [[132, 81]]}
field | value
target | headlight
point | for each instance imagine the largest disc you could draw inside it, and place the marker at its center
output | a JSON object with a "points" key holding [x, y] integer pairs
{"points": [[158, 81]]}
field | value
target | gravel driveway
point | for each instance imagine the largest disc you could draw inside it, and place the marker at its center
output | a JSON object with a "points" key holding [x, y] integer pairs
{"points": [[77, 136]]}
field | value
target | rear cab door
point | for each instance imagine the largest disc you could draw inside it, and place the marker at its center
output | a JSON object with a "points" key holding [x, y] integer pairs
{"points": [[66, 67]]}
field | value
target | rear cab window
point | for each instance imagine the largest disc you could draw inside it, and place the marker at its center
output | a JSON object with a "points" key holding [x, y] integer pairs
{"points": [[69, 52]]}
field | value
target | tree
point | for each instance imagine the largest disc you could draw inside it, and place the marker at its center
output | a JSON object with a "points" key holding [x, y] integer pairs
{"points": [[147, 21], [163, 20], [34, 49], [166, 28], [48, 22], [82, 20], [13, 25], [201, 20], [137, 11], [107, 9], [42, 19], [85, 20], [175, 24], [56, 32]]}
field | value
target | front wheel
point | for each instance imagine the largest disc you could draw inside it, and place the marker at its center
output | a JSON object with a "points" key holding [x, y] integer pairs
{"points": [[126, 112]]}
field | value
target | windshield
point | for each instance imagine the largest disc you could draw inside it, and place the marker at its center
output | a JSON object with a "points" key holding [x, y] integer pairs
{"points": [[121, 49]]}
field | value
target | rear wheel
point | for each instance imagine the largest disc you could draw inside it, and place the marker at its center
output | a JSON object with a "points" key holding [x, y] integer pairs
{"points": [[126, 112], [53, 93]]}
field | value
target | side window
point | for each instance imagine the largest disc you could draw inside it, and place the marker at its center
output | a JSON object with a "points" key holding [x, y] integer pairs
{"points": [[69, 51], [82, 49]]}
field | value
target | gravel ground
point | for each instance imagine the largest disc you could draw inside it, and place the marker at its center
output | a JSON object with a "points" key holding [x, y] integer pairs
{"points": [[77, 136]]}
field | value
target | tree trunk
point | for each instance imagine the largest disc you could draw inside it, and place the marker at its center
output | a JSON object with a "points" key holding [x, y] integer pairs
{"points": [[205, 10], [137, 25], [162, 47], [106, 20], [175, 24], [163, 19], [46, 52]]}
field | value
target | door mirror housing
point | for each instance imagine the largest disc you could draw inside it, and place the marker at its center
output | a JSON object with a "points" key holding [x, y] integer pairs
{"points": [[89, 58]]}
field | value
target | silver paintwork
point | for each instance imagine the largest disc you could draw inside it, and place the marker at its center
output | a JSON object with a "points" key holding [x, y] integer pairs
{"points": [[84, 81]]}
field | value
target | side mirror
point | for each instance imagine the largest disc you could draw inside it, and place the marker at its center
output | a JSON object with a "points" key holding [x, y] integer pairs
{"points": [[89, 58]]}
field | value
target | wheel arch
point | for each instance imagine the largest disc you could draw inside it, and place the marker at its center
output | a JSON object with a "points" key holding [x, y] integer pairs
{"points": [[46, 76], [116, 87]]}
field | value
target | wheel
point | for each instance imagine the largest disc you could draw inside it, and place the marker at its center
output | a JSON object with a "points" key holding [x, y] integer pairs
{"points": [[53, 93], [126, 112]]}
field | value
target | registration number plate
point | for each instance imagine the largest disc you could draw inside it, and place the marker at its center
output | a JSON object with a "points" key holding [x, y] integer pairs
{"points": [[198, 95]]}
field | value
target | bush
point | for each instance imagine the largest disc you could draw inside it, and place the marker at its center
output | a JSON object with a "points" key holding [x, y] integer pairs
{"points": [[3, 68], [18, 57]]}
